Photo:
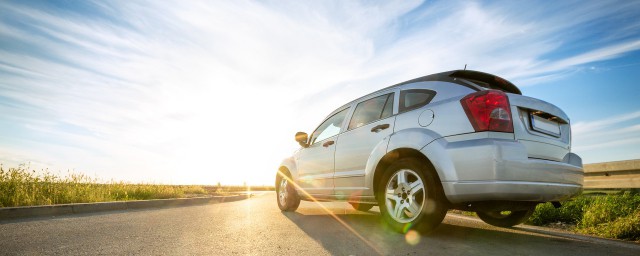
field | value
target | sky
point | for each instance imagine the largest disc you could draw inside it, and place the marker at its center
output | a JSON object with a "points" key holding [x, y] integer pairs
{"points": [[201, 92]]}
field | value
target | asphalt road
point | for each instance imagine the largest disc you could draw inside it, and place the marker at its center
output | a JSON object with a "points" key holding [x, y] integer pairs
{"points": [[256, 226]]}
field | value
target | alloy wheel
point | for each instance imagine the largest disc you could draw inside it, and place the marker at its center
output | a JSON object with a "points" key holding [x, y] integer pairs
{"points": [[282, 193], [405, 196]]}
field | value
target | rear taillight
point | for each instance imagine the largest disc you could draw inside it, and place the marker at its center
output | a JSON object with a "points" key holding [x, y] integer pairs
{"points": [[488, 111]]}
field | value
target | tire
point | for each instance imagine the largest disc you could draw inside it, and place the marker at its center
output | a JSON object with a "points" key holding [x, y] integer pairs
{"points": [[404, 204], [505, 220], [286, 195], [362, 207]]}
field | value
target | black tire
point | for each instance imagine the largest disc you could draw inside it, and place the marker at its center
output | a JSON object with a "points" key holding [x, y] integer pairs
{"points": [[362, 207], [429, 204], [505, 219], [288, 200]]}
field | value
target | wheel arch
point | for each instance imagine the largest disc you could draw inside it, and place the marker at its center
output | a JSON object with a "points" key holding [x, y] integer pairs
{"points": [[289, 164], [404, 143], [282, 170], [402, 153]]}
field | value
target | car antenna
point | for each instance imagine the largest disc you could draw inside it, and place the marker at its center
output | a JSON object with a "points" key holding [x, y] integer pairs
{"points": [[465, 66]]}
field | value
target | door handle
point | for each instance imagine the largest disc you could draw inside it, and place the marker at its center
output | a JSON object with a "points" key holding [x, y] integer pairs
{"points": [[328, 143], [378, 128]]}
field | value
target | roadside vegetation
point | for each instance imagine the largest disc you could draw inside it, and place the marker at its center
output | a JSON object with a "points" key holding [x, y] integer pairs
{"points": [[23, 187], [612, 216]]}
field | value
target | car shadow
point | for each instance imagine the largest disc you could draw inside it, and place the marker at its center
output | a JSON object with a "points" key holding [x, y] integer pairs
{"points": [[354, 233]]}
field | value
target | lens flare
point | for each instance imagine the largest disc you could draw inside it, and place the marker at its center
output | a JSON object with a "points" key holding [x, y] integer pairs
{"points": [[344, 224], [406, 228], [412, 237]]}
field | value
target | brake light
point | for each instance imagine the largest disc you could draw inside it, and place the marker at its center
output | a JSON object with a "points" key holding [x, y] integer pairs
{"points": [[488, 111]]}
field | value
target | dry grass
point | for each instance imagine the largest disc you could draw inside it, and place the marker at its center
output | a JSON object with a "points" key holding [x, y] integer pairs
{"points": [[23, 187]]}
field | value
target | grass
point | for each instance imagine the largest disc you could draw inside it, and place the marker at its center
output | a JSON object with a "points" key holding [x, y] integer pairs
{"points": [[611, 216], [21, 187]]}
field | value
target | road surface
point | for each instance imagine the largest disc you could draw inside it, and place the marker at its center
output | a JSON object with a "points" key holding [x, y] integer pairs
{"points": [[255, 226]]}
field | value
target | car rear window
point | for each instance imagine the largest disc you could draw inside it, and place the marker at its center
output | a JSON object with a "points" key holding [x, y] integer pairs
{"points": [[416, 98]]}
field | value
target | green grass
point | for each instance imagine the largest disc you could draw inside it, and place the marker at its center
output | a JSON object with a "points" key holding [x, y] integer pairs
{"points": [[609, 214], [21, 187], [614, 215]]}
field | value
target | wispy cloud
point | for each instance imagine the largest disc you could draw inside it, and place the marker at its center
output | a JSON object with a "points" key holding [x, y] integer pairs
{"points": [[621, 132], [164, 87], [583, 128]]}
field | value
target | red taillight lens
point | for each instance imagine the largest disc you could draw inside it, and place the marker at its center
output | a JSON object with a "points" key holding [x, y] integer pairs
{"points": [[488, 111]]}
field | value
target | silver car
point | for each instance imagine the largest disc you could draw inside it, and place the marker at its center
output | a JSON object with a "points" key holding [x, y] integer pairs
{"points": [[461, 139]]}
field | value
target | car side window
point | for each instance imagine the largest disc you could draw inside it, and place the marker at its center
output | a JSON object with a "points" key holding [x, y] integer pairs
{"points": [[415, 98], [329, 127], [370, 110]]}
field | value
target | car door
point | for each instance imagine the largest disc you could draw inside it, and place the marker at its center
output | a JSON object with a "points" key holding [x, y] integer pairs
{"points": [[316, 162], [370, 126]]}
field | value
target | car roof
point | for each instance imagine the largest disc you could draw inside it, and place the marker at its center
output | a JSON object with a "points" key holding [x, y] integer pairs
{"points": [[485, 80], [496, 82]]}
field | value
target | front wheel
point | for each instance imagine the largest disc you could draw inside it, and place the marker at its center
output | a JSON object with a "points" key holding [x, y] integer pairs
{"points": [[288, 199], [409, 197], [505, 219]]}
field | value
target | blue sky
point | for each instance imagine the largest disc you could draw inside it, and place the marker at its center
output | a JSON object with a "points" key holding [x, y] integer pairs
{"points": [[200, 92]]}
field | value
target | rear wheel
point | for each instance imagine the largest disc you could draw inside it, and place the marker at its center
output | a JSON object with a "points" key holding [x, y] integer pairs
{"points": [[409, 197], [288, 199], [505, 219], [361, 207]]}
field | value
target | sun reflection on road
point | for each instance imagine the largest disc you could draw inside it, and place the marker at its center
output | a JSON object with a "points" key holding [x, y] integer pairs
{"points": [[334, 216]]}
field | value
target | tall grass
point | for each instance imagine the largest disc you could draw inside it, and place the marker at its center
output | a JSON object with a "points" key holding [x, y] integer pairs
{"points": [[21, 187]]}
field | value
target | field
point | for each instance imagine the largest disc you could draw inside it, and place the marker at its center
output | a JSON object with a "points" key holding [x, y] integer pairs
{"points": [[23, 187]]}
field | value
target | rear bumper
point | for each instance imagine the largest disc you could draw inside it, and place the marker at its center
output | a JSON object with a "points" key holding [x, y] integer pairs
{"points": [[489, 169], [474, 191]]}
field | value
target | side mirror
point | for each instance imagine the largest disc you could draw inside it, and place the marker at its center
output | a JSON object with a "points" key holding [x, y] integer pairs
{"points": [[302, 138]]}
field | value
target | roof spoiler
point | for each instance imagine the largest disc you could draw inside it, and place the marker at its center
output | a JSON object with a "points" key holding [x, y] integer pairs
{"points": [[486, 80]]}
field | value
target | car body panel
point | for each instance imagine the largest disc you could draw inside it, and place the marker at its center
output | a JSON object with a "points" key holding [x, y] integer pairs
{"points": [[315, 163], [502, 165], [289, 165], [352, 152], [315, 167], [540, 145]]}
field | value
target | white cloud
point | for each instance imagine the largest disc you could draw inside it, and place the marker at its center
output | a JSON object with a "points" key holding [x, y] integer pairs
{"points": [[188, 92], [619, 136], [585, 128]]}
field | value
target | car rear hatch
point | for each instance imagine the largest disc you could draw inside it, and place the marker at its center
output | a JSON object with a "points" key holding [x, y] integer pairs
{"points": [[543, 128]]}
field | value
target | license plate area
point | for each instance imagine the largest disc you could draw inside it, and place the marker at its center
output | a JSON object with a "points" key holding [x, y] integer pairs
{"points": [[544, 123]]}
